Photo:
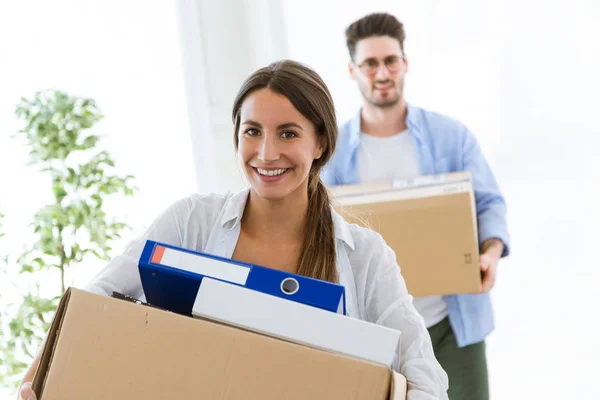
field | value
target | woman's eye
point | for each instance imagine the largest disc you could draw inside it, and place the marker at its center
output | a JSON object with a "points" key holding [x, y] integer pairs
{"points": [[251, 132], [288, 135]]}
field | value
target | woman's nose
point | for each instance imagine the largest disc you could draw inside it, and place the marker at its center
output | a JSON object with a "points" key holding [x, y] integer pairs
{"points": [[269, 149]]}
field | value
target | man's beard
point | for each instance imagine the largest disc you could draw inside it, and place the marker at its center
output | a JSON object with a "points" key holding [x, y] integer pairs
{"points": [[387, 103]]}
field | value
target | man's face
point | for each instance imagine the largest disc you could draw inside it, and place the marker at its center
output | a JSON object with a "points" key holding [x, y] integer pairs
{"points": [[379, 67]]}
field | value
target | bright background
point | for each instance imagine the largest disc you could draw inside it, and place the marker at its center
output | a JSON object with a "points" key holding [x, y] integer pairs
{"points": [[523, 75]]}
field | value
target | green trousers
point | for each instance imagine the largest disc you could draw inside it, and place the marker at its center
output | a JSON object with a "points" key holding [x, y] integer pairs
{"points": [[466, 367]]}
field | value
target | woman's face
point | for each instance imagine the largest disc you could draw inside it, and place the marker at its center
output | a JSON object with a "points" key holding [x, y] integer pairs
{"points": [[276, 145]]}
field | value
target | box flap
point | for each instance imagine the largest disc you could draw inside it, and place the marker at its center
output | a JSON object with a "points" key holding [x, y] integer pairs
{"points": [[340, 191], [49, 344], [432, 180]]}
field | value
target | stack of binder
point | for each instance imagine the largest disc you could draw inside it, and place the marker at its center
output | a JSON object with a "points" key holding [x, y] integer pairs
{"points": [[264, 300]]}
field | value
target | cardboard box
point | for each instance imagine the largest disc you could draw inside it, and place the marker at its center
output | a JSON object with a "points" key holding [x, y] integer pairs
{"points": [[431, 224], [259, 312], [108, 348]]}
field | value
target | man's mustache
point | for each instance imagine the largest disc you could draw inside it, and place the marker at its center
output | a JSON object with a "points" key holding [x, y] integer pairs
{"points": [[381, 83]]}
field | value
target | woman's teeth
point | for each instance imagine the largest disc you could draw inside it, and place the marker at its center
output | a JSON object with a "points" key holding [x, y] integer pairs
{"points": [[271, 172]]}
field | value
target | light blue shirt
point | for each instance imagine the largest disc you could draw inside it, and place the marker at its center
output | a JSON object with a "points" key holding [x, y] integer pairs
{"points": [[443, 145]]}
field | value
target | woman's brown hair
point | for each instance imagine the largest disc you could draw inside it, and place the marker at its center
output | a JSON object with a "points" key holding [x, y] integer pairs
{"points": [[307, 92]]}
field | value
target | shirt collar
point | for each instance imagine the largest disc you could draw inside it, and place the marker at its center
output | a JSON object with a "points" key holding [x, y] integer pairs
{"points": [[236, 203], [234, 209], [413, 122]]}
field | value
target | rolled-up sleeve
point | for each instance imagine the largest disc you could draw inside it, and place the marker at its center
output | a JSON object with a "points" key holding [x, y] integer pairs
{"points": [[121, 274]]}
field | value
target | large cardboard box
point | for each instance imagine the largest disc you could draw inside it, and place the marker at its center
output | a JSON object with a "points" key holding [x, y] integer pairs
{"points": [[107, 348], [430, 222]]}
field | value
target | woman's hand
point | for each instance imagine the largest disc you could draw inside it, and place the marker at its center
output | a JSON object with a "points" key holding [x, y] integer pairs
{"points": [[26, 392]]}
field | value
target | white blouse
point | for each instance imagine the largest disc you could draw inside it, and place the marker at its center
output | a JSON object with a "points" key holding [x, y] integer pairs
{"points": [[375, 289]]}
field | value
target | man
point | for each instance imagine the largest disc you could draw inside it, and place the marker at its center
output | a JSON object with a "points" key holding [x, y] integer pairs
{"points": [[390, 139]]}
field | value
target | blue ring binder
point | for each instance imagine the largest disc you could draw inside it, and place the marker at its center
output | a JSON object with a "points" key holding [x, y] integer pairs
{"points": [[171, 277]]}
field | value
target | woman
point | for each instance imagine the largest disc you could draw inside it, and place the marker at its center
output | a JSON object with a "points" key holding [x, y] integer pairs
{"points": [[285, 132]]}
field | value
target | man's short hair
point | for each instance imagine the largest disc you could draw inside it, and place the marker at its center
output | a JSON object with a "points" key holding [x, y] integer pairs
{"points": [[376, 24]]}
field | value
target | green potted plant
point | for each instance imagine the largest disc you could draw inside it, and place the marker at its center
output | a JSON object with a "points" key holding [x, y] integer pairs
{"points": [[72, 228]]}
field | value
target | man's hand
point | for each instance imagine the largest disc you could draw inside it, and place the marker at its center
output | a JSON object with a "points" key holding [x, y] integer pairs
{"points": [[491, 251]]}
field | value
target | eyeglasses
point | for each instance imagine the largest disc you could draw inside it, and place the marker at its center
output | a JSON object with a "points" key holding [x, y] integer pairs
{"points": [[371, 65]]}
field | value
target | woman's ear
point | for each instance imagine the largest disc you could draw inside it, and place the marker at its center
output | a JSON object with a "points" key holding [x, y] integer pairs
{"points": [[320, 148]]}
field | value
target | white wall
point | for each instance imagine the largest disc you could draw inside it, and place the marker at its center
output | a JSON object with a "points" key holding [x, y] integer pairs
{"points": [[224, 42], [126, 56], [515, 72]]}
